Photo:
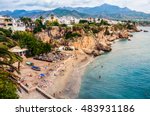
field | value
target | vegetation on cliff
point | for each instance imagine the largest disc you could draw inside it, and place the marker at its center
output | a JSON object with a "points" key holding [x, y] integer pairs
{"points": [[28, 40], [101, 32]]}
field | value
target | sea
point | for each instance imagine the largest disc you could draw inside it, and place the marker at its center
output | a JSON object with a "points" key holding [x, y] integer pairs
{"points": [[123, 73]]}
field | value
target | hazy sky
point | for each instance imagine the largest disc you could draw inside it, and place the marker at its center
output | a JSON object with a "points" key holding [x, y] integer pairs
{"points": [[139, 5]]}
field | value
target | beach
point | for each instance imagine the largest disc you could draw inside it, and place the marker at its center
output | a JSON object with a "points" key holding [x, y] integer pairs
{"points": [[62, 79], [73, 84], [62, 69]]}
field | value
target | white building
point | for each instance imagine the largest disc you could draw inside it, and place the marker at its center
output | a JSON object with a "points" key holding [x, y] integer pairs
{"points": [[10, 23], [18, 25], [5, 22], [68, 20], [112, 22]]}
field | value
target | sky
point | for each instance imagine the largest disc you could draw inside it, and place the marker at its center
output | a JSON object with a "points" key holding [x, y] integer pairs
{"points": [[138, 5]]}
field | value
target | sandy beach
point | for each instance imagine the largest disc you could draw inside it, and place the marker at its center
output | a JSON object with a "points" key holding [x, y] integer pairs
{"points": [[62, 79], [73, 84]]}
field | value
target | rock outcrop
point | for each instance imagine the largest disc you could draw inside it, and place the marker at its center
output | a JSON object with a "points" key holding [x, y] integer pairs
{"points": [[91, 44], [43, 36]]}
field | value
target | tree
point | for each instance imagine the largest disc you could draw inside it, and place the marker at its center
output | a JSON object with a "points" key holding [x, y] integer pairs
{"points": [[5, 32], [71, 35], [7, 87], [49, 24], [39, 25], [8, 58], [35, 46], [104, 22], [27, 21], [8, 90], [83, 21], [8, 80], [5, 41], [8, 19]]}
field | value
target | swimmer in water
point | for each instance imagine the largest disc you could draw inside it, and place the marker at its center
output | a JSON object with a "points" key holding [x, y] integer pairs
{"points": [[99, 77]]}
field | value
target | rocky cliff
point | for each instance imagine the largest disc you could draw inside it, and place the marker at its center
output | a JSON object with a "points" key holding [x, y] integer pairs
{"points": [[89, 43]]}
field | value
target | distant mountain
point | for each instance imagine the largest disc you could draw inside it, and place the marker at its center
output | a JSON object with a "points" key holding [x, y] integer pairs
{"points": [[105, 8], [20, 13], [103, 11], [111, 12], [36, 13], [64, 12]]}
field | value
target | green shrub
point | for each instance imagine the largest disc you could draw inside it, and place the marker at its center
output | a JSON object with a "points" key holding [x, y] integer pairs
{"points": [[27, 39], [104, 22], [83, 21], [8, 89], [71, 35], [38, 26], [7, 32], [95, 30]]}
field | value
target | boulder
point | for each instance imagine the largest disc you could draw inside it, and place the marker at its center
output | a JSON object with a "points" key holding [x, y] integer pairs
{"points": [[96, 53], [123, 35], [102, 47]]}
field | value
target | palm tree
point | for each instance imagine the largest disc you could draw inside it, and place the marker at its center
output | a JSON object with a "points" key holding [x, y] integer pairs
{"points": [[8, 80], [6, 61], [8, 19], [27, 21]]}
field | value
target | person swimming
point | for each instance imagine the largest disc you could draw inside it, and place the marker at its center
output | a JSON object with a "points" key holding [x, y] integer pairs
{"points": [[100, 77]]}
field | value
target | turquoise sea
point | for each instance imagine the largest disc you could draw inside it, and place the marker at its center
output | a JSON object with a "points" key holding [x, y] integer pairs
{"points": [[124, 73]]}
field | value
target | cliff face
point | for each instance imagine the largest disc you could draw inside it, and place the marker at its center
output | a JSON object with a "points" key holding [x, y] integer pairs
{"points": [[47, 36], [43, 36], [92, 44]]}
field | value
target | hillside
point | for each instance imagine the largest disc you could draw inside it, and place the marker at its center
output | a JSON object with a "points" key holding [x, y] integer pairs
{"points": [[111, 12], [103, 11], [36, 13]]}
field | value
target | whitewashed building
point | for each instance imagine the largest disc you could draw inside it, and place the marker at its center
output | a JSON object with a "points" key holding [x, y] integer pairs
{"points": [[68, 20], [10, 23], [5, 22], [18, 25]]}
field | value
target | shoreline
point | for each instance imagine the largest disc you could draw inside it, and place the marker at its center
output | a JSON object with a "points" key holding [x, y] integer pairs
{"points": [[75, 79], [74, 84], [61, 86], [63, 78], [63, 83]]}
